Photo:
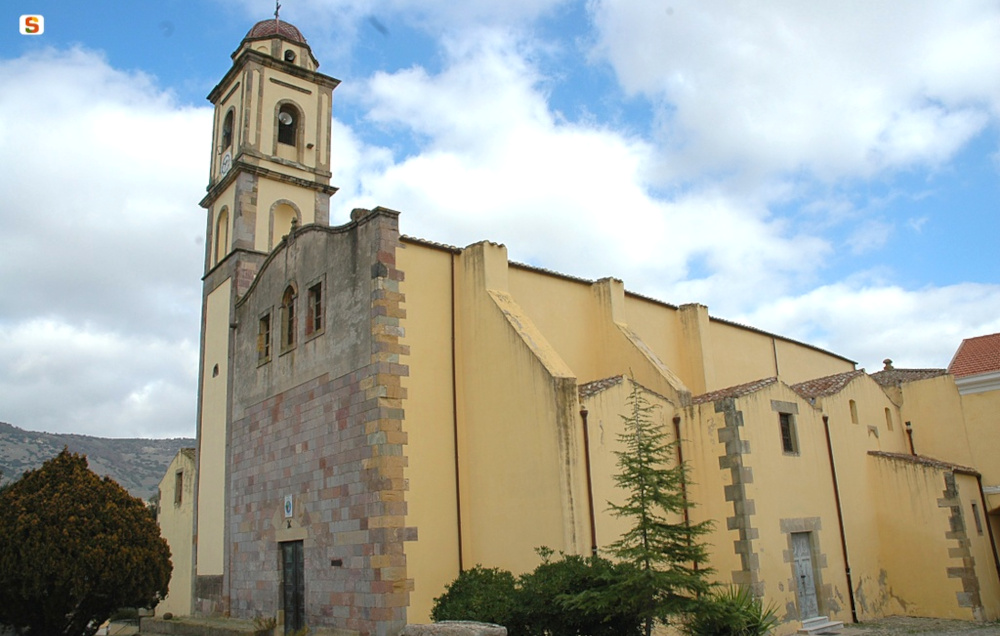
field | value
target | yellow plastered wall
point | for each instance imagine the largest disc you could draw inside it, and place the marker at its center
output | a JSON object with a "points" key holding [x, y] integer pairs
{"points": [[739, 355], [871, 432], [980, 548], [851, 443], [736, 356], [659, 327], [982, 425], [175, 519], [935, 410], [914, 552], [432, 560], [566, 312], [519, 426], [792, 492], [587, 325], [708, 354], [212, 431], [798, 363]]}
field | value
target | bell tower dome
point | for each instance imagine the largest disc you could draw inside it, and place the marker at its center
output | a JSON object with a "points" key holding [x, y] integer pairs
{"points": [[270, 145]]}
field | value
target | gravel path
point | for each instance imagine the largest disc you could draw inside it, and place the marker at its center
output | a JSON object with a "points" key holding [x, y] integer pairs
{"points": [[898, 625]]}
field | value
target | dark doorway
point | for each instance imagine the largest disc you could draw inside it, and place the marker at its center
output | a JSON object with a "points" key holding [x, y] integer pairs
{"points": [[293, 585]]}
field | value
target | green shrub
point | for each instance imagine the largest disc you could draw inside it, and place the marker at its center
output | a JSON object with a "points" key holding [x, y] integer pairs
{"points": [[480, 594], [571, 596], [733, 611], [576, 596]]}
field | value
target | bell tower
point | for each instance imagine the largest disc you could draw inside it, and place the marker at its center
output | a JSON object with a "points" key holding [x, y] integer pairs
{"points": [[270, 143], [270, 171]]}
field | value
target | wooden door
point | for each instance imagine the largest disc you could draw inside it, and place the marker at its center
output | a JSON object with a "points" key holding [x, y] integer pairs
{"points": [[804, 574]]}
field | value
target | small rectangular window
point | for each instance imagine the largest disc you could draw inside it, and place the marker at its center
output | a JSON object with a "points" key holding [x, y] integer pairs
{"points": [[314, 319], [789, 441], [264, 338], [975, 517], [178, 487]]}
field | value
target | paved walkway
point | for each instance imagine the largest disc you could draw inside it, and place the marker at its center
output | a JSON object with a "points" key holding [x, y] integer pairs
{"points": [[899, 625]]}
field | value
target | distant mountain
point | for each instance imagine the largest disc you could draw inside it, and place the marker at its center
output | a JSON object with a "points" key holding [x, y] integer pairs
{"points": [[137, 464]]}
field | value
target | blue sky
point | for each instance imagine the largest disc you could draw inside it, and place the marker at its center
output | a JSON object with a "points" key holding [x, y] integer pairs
{"points": [[827, 170]]}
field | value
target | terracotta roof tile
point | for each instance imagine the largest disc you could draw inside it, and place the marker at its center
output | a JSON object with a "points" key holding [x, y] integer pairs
{"points": [[734, 391], [420, 241], [821, 387], [269, 28], [976, 355], [895, 377], [924, 461], [595, 387]]}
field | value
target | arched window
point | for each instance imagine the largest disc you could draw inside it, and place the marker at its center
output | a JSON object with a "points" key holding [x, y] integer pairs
{"points": [[288, 318], [222, 234], [288, 124], [227, 130]]}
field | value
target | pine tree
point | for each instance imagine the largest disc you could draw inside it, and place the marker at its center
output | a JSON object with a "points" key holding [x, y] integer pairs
{"points": [[662, 547]]}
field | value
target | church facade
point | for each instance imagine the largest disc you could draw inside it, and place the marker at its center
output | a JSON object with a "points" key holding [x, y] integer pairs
{"points": [[377, 413]]}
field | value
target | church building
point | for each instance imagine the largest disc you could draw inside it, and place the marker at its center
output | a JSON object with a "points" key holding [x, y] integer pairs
{"points": [[378, 412]]}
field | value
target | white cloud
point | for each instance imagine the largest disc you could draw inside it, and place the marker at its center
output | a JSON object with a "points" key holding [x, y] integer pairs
{"points": [[503, 167], [102, 248], [60, 377], [832, 88], [869, 321], [347, 22], [917, 223], [870, 235]]}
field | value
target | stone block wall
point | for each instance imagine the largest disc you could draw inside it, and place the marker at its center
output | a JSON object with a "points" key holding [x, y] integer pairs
{"points": [[335, 445]]}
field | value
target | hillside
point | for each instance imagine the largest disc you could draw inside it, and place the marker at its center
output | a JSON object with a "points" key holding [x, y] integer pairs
{"points": [[136, 464]]}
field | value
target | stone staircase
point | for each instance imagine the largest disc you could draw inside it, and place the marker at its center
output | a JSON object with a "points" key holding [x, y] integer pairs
{"points": [[820, 625]]}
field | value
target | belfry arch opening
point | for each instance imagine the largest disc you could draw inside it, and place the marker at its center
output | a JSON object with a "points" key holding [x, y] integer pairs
{"points": [[227, 131], [282, 215], [221, 235], [288, 124]]}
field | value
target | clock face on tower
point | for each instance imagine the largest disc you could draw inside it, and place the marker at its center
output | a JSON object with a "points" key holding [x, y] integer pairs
{"points": [[227, 163]]}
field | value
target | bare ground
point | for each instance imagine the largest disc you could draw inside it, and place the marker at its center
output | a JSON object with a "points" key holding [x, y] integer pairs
{"points": [[899, 625]]}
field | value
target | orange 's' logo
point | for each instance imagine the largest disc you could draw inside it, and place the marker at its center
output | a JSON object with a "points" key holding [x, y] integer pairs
{"points": [[32, 25]]}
